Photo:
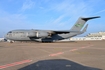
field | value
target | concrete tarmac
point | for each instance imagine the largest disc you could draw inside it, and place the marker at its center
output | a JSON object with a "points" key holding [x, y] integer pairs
{"points": [[84, 55]]}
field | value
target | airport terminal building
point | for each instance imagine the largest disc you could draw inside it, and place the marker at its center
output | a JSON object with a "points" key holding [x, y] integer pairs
{"points": [[90, 36], [1, 39]]}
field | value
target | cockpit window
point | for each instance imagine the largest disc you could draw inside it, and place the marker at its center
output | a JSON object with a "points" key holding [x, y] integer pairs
{"points": [[10, 32]]}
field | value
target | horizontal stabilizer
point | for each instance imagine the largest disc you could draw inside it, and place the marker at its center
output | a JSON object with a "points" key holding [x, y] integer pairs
{"points": [[90, 18]]}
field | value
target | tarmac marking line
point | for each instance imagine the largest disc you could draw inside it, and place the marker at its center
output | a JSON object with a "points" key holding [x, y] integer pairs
{"points": [[75, 49], [56, 54], [83, 47], [26, 61], [14, 64]]}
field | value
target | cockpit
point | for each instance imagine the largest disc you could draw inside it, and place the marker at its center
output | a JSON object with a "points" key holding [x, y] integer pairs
{"points": [[8, 35], [14, 34], [9, 32]]}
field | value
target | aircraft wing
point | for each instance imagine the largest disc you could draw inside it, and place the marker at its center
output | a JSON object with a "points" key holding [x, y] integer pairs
{"points": [[62, 32], [68, 31]]}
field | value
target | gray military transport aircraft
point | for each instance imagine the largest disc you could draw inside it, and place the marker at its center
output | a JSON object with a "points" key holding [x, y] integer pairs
{"points": [[48, 35]]}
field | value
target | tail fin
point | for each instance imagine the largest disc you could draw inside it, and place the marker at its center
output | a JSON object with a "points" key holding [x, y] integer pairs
{"points": [[85, 28], [80, 23]]}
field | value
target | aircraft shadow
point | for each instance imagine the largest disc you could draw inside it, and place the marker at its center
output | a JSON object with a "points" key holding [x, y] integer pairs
{"points": [[66, 42], [57, 64]]}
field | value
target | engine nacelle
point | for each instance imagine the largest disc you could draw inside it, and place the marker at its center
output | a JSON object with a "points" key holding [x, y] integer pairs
{"points": [[42, 34]]}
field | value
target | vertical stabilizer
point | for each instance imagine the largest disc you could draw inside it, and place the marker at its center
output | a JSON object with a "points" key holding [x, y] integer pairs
{"points": [[85, 28], [80, 23]]}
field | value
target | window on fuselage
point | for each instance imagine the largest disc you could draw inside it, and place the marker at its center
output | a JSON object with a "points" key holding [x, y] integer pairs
{"points": [[18, 32], [21, 32]]}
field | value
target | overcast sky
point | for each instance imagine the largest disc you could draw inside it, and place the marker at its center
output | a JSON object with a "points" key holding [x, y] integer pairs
{"points": [[50, 14]]}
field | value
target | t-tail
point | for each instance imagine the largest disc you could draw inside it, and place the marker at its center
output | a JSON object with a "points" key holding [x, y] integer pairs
{"points": [[81, 22]]}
